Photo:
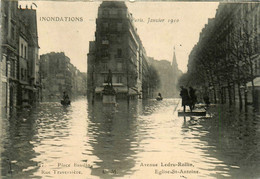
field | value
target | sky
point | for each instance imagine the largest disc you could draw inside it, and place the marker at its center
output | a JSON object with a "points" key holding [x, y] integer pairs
{"points": [[171, 24]]}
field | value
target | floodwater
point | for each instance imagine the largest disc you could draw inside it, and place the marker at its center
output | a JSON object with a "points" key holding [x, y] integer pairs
{"points": [[142, 139]]}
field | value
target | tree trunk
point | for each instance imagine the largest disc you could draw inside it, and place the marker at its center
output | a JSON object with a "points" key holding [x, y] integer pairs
{"points": [[215, 95], [240, 97], [229, 94], [245, 94], [234, 93], [222, 96], [253, 94], [239, 90], [252, 82]]}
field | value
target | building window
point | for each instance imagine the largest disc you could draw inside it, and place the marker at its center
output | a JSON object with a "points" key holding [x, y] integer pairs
{"points": [[119, 12], [105, 26], [119, 26], [21, 50], [25, 74], [119, 39], [25, 52], [105, 13], [256, 68], [12, 32], [104, 67], [12, 64], [113, 26], [105, 41], [119, 66], [22, 75], [113, 12], [119, 53], [105, 53], [119, 79], [104, 78], [4, 71]]}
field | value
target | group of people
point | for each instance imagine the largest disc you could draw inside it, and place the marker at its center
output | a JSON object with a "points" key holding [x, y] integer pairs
{"points": [[189, 98]]}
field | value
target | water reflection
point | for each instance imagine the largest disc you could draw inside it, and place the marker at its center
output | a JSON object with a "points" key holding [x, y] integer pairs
{"points": [[106, 141], [113, 137], [228, 142]]}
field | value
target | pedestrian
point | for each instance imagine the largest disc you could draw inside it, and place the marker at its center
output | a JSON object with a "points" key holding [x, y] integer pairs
{"points": [[206, 99], [109, 78], [193, 98], [185, 98]]}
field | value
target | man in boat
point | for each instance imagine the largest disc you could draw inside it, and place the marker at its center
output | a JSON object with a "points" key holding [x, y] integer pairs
{"points": [[185, 98], [159, 97]]}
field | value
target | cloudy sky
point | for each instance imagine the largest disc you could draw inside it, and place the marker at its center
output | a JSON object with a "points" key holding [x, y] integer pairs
{"points": [[180, 25]]}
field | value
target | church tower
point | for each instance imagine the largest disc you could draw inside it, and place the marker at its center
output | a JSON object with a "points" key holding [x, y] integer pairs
{"points": [[174, 61]]}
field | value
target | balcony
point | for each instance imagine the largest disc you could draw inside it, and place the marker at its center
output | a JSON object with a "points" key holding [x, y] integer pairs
{"points": [[105, 42]]}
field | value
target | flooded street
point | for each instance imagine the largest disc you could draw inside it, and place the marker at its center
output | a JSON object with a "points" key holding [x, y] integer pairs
{"points": [[142, 139]]}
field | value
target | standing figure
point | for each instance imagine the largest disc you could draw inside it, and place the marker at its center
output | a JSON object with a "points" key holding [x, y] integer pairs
{"points": [[193, 98], [185, 97], [109, 78], [206, 99], [66, 98]]}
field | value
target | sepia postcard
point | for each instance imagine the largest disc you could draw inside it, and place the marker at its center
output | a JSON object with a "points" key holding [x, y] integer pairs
{"points": [[130, 89]]}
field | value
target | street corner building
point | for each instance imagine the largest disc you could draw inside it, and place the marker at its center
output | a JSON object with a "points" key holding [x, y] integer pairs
{"points": [[20, 79], [117, 47]]}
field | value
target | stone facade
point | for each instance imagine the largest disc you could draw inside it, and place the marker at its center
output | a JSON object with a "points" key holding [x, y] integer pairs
{"points": [[117, 47], [59, 75]]}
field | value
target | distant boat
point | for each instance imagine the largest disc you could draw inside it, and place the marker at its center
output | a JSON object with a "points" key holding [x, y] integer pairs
{"points": [[65, 102], [159, 98]]}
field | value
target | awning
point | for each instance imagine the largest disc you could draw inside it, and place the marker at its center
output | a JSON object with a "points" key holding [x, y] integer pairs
{"points": [[118, 89], [30, 88], [256, 82]]}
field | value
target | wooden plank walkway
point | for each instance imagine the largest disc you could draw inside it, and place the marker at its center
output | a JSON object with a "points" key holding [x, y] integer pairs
{"points": [[195, 112]]}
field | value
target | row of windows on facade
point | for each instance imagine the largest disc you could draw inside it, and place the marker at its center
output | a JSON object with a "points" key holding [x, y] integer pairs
{"points": [[24, 72], [111, 38], [112, 12], [112, 26], [105, 53], [253, 40], [117, 78], [119, 67]]}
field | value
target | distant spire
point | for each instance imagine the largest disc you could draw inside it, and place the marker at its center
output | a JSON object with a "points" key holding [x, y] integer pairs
{"points": [[174, 61]]}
